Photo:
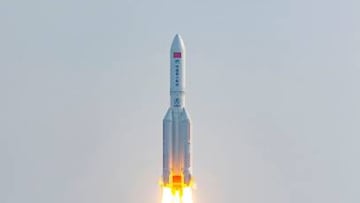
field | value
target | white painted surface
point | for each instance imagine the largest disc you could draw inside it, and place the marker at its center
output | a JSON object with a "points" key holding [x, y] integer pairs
{"points": [[176, 124]]}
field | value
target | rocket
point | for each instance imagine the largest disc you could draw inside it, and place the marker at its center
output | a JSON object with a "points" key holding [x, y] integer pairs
{"points": [[177, 125]]}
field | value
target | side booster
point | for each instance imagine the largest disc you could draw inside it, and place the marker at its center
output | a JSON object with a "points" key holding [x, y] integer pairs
{"points": [[176, 124]]}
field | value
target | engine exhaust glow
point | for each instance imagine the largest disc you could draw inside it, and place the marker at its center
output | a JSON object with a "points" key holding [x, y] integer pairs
{"points": [[171, 195]]}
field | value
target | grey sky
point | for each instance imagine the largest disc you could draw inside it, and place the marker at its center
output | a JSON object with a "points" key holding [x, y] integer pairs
{"points": [[273, 92]]}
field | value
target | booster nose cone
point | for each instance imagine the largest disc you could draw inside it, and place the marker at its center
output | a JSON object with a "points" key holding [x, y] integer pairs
{"points": [[177, 44]]}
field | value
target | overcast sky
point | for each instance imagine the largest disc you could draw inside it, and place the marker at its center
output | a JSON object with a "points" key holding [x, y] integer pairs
{"points": [[272, 89]]}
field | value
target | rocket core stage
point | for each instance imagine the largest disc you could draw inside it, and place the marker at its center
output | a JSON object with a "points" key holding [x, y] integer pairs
{"points": [[176, 178]]}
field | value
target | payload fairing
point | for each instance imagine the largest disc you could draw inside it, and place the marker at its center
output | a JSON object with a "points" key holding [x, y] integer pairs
{"points": [[177, 125]]}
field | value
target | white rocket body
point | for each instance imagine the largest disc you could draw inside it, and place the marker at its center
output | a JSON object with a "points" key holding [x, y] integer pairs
{"points": [[176, 124]]}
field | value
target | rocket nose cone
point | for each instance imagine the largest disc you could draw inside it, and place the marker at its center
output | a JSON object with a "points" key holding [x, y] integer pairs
{"points": [[177, 38], [177, 43]]}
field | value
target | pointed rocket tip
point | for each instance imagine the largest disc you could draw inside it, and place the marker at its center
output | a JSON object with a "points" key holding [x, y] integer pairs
{"points": [[177, 38], [177, 42]]}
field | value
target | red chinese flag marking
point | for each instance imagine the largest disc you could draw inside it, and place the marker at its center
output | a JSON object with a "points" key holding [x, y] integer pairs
{"points": [[177, 54]]}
